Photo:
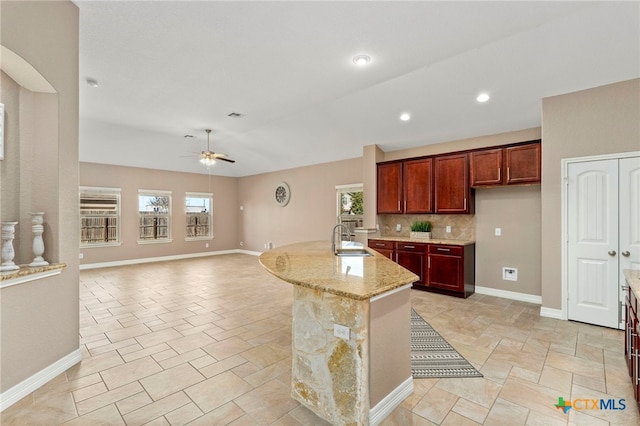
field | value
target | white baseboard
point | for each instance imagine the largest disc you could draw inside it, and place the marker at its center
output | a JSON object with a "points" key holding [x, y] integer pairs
{"points": [[30, 384], [163, 258], [513, 295], [389, 403], [552, 313]]}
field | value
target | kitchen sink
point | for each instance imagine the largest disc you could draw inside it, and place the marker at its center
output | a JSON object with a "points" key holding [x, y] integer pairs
{"points": [[358, 252]]}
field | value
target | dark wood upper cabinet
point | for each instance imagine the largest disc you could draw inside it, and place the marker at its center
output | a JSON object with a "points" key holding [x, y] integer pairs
{"points": [[418, 186], [523, 163], [452, 192], [389, 196], [486, 167], [511, 165]]}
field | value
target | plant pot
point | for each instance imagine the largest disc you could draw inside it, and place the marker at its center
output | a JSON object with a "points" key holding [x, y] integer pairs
{"points": [[420, 235]]}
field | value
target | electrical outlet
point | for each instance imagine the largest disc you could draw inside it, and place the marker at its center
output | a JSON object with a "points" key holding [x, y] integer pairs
{"points": [[206, 245], [341, 331], [81, 255], [398, 228], [448, 229], [266, 245], [241, 243], [498, 232], [509, 274]]}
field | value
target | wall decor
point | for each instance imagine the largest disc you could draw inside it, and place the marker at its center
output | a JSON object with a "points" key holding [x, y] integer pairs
{"points": [[282, 194], [1, 131]]}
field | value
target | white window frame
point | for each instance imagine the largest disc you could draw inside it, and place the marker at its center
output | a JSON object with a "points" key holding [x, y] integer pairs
{"points": [[97, 193], [341, 189], [209, 235], [155, 193]]}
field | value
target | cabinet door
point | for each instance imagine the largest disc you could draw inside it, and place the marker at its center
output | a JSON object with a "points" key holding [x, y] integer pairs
{"points": [[452, 191], [389, 188], [486, 167], [413, 261], [446, 272], [523, 163], [386, 248], [417, 178]]}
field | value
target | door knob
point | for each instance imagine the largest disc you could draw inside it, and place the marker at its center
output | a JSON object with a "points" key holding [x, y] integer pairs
{"points": [[612, 252], [626, 253]]}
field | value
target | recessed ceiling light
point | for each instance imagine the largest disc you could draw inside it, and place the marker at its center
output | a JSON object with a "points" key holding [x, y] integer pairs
{"points": [[361, 60], [92, 82], [482, 97], [405, 117]]}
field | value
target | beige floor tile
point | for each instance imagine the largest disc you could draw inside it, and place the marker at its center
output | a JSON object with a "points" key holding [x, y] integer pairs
{"points": [[133, 402], [226, 348], [575, 365], [455, 419], [89, 391], [217, 391], [127, 333], [183, 415], [471, 410], [628, 416], [130, 372], [169, 381], [267, 403], [158, 337], [105, 416], [506, 413], [554, 378], [435, 405], [156, 409], [181, 359], [266, 355], [531, 396], [222, 415], [476, 389], [107, 398], [191, 342], [222, 366]]}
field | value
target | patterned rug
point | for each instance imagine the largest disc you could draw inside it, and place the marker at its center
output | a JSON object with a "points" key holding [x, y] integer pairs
{"points": [[432, 356]]}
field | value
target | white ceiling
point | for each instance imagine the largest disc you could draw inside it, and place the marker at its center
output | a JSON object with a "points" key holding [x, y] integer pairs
{"points": [[170, 68]]}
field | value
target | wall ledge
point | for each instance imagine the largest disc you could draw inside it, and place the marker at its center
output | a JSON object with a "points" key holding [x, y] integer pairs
{"points": [[26, 274], [30, 384]]}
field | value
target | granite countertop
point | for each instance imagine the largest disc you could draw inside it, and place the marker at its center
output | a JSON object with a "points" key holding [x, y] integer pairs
{"points": [[429, 241], [633, 279], [312, 265], [26, 270]]}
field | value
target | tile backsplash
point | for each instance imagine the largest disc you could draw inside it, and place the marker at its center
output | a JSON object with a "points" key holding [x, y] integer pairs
{"points": [[463, 226]]}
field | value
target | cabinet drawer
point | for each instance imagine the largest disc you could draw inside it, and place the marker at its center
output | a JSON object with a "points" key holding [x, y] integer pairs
{"points": [[381, 244], [418, 247], [446, 249]]}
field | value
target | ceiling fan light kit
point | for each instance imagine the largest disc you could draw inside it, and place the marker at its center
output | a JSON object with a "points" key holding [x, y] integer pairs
{"points": [[208, 157]]}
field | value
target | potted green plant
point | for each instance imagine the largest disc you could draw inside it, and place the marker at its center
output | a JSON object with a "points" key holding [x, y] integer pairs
{"points": [[421, 229]]}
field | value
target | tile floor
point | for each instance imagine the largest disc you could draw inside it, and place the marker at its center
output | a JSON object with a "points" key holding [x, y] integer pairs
{"points": [[207, 342]]}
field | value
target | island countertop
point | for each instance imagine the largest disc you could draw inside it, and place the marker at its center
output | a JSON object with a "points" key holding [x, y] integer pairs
{"points": [[312, 265], [633, 279]]}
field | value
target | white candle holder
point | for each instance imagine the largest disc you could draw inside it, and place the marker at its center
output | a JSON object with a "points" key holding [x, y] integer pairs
{"points": [[37, 219], [8, 233]]}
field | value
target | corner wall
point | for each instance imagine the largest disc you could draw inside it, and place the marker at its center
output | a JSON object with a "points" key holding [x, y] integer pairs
{"points": [[39, 319], [602, 120]]}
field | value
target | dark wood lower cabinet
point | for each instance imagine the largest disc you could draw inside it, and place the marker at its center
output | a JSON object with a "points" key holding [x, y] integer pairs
{"points": [[441, 268], [412, 256], [632, 342]]}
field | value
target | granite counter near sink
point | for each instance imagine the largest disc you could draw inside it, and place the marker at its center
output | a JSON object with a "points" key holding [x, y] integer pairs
{"points": [[426, 241]]}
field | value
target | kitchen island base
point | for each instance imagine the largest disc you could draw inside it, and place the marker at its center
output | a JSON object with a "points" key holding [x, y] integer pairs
{"points": [[341, 379]]}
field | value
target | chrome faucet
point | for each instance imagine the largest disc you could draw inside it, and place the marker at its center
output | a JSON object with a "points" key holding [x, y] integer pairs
{"points": [[333, 236]]}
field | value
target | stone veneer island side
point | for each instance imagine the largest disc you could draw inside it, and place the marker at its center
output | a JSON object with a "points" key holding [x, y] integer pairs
{"points": [[358, 380]]}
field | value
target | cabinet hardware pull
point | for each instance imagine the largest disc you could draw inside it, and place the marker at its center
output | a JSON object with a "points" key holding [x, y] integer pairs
{"points": [[508, 174], [465, 203], [409, 247], [611, 252], [443, 249], [379, 244], [405, 205], [398, 205], [429, 262], [626, 253], [625, 287], [499, 172], [637, 378]]}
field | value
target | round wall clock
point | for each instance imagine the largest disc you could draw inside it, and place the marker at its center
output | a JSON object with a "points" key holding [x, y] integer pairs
{"points": [[282, 194]]}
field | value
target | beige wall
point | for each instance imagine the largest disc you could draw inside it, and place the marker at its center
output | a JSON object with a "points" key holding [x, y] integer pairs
{"points": [[602, 120], [131, 179], [39, 319], [311, 212], [514, 209]]}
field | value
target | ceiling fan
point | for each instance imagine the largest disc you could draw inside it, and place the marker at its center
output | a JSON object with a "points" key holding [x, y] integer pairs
{"points": [[208, 157]]}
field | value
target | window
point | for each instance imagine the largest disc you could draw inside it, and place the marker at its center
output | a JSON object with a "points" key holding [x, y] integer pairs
{"points": [[350, 205], [155, 216], [199, 216], [99, 216]]}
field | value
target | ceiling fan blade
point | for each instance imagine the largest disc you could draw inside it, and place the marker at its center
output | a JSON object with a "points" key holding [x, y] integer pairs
{"points": [[228, 160]]}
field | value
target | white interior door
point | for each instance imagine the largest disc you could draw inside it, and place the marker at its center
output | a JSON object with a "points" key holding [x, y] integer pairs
{"points": [[629, 214], [593, 286]]}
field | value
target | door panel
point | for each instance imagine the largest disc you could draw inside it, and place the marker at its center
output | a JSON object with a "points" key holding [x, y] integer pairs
{"points": [[593, 242], [629, 214]]}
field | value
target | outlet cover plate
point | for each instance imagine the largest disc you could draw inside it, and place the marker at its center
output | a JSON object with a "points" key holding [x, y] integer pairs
{"points": [[341, 331], [510, 274]]}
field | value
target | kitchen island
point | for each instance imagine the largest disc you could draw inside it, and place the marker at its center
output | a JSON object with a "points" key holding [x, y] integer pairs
{"points": [[351, 353]]}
